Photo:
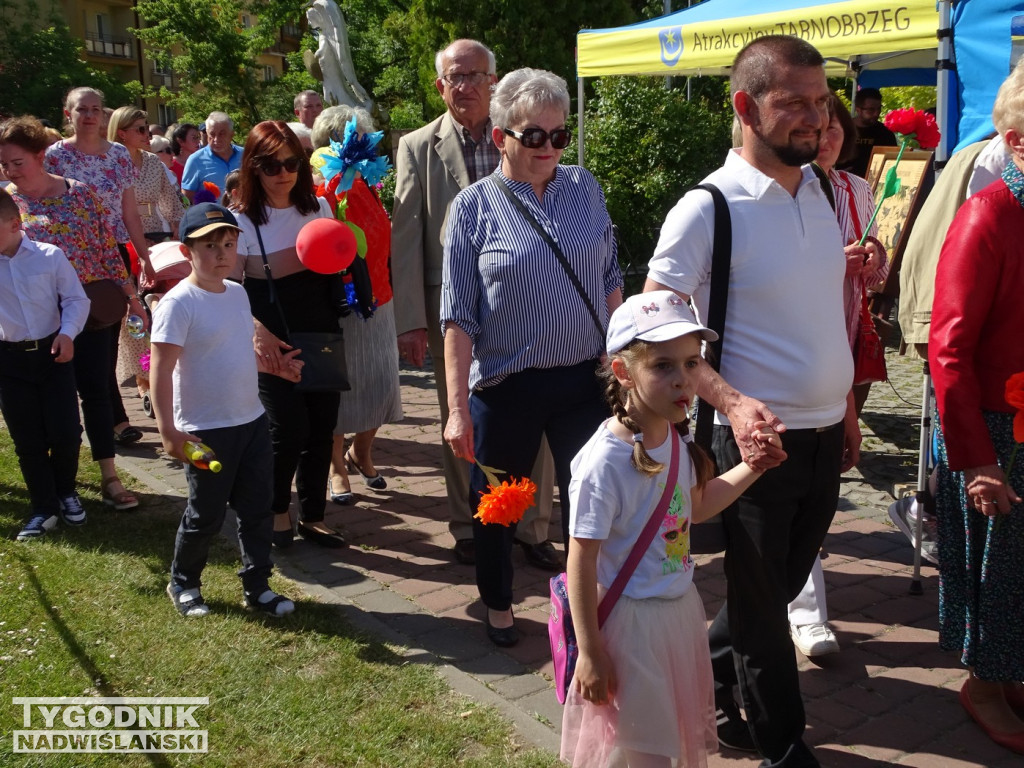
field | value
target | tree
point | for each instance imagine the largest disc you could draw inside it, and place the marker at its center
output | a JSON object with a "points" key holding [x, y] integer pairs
{"points": [[40, 61], [647, 146], [214, 56]]}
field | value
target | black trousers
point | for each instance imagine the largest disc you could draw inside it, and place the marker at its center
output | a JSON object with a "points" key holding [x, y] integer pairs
{"points": [[38, 402], [564, 404], [94, 371], [302, 432], [773, 533], [244, 482]]}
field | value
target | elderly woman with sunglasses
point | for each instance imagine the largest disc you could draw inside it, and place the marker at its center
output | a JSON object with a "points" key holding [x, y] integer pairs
{"points": [[276, 199], [530, 279]]}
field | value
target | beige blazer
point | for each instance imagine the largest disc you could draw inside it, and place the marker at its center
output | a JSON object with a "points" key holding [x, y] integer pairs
{"points": [[429, 172]]}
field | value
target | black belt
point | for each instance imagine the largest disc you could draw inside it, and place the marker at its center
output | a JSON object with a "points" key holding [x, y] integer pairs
{"points": [[32, 345]]}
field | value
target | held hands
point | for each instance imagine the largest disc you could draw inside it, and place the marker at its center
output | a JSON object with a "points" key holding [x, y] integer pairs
{"points": [[764, 452], [291, 366], [62, 349], [270, 350], [766, 439], [594, 677], [987, 490]]}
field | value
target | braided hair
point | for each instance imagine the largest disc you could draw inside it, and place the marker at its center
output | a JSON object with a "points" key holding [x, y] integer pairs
{"points": [[617, 398]]}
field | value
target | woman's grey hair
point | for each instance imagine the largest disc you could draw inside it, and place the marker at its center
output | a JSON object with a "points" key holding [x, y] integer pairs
{"points": [[526, 92], [334, 119], [1008, 110]]}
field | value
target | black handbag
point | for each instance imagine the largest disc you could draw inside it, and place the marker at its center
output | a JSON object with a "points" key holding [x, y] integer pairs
{"points": [[323, 353]]}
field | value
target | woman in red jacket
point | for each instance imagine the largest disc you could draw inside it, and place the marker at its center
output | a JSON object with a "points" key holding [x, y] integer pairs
{"points": [[975, 346]]}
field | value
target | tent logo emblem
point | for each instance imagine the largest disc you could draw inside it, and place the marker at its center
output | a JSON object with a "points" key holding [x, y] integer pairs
{"points": [[671, 39]]}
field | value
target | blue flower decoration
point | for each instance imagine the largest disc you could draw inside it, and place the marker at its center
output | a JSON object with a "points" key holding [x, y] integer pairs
{"points": [[354, 154]]}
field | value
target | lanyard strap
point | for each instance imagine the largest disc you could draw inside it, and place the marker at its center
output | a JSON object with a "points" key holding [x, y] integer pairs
{"points": [[646, 536], [500, 182]]}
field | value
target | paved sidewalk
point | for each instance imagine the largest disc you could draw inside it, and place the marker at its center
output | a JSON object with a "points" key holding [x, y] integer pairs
{"points": [[888, 698]]}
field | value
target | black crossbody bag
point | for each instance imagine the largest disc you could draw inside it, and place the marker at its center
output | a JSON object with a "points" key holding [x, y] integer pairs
{"points": [[323, 354]]}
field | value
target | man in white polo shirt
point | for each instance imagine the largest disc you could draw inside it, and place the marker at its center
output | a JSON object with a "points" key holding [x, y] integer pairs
{"points": [[785, 350]]}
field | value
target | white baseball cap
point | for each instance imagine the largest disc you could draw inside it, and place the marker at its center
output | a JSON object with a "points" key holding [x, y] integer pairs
{"points": [[654, 316]]}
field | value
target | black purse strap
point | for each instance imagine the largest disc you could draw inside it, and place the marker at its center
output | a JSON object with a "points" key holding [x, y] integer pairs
{"points": [[721, 261], [500, 183], [270, 283]]}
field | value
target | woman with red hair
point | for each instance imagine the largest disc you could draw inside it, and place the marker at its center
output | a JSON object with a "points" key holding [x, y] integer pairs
{"points": [[276, 199]]}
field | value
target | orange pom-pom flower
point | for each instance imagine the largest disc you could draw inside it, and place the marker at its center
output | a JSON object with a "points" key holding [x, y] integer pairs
{"points": [[506, 503]]}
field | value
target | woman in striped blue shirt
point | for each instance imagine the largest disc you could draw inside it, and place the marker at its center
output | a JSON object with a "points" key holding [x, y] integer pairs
{"points": [[530, 279]]}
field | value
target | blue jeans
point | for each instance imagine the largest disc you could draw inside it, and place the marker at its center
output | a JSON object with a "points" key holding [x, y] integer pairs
{"points": [[565, 405]]}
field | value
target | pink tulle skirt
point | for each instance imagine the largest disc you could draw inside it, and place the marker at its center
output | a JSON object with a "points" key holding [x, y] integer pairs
{"points": [[665, 702]]}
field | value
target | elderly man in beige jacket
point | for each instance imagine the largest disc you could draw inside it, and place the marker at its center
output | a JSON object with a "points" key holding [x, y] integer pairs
{"points": [[433, 164]]}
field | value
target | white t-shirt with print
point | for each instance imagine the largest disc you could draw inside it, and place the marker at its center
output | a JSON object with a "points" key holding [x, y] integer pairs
{"points": [[612, 501], [215, 380]]}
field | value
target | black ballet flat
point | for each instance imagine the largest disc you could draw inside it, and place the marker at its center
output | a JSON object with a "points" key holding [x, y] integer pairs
{"points": [[332, 540], [504, 637]]}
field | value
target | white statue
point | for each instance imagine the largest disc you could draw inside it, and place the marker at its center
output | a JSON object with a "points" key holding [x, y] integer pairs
{"points": [[341, 86]]}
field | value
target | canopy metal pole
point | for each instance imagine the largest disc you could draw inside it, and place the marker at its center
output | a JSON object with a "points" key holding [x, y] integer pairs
{"points": [[579, 112], [945, 64]]}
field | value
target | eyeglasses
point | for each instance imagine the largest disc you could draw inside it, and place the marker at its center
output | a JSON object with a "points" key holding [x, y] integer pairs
{"points": [[535, 138], [271, 166], [455, 79]]}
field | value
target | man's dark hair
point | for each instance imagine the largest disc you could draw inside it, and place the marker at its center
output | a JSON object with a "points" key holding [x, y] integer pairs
{"points": [[755, 67], [864, 94]]}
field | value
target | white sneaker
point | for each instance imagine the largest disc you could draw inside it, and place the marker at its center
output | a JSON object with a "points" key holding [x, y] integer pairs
{"points": [[814, 639], [903, 513]]}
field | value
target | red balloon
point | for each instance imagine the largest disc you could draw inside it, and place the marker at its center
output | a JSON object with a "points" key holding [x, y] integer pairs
{"points": [[326, 246]]}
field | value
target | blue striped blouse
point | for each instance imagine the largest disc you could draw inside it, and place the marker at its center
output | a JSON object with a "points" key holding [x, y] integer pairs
{"points": [[504, 287]]}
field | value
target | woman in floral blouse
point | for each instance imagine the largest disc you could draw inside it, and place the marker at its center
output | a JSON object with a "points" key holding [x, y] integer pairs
{"points": [[68, 214], [107, 168]]}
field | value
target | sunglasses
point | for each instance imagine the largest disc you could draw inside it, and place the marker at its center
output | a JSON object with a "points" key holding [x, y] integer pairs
{"points": [[139, 129], [535, 138], [166, 151], [271, 166]]}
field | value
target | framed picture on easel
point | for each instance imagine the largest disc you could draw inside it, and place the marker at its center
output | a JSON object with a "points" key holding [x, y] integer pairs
{"points": [[896, 217]]}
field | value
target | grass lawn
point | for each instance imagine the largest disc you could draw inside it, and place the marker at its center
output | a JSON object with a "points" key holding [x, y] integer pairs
{"points": [[83, 613]]}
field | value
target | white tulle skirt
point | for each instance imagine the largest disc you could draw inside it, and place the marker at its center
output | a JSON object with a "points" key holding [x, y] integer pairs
{"points": [[665, 702]]}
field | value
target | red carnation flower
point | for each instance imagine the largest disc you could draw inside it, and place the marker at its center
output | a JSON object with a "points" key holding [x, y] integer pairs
{"points": [[902, 121], [927, 131]]}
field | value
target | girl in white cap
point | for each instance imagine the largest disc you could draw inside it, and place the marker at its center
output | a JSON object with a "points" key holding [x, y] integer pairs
{"points": [[642, 694]]}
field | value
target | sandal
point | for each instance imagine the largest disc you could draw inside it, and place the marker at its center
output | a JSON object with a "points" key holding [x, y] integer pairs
{"points": [[119, 501], [342, 498], [269, 603], [128, 435], [374, 481]]}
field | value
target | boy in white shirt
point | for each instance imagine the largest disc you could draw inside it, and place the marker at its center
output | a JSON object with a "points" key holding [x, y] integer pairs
{"points": [[204, 387], [42, 309]]}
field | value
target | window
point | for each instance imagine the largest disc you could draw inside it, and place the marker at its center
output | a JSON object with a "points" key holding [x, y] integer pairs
{"points": [[166, 115], [268, 74]]}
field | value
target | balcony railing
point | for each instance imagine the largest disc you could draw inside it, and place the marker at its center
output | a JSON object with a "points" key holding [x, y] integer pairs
{"points": [[108, 45], [164, 78]]}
